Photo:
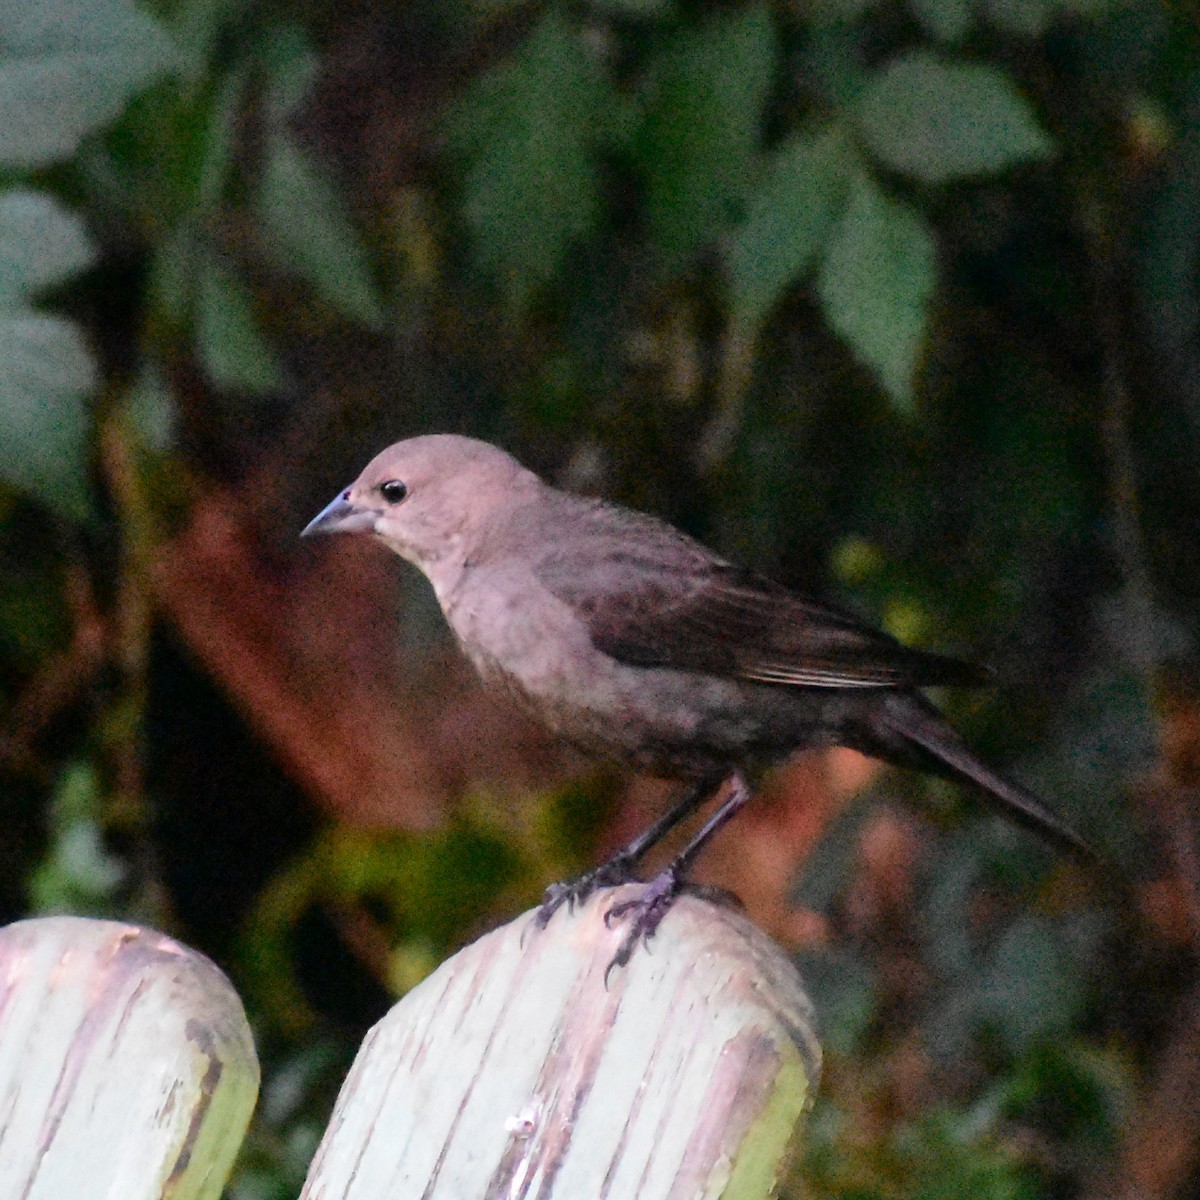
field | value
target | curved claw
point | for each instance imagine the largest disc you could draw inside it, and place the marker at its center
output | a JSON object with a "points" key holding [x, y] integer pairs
{"points": [[553, 898], [647, 911], [618, 960], [573, 892]]}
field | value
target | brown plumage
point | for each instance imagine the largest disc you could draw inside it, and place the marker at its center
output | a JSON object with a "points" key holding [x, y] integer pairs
{"points": [[633, 641]]}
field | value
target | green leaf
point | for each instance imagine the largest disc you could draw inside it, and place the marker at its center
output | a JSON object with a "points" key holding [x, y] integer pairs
{"points": [[231, 346], [832, 66], [824, 13], [946, 20], [292, 65], [1022, 18], [213, 161], [525, 135], [78, 872], [1031, 990], [875, 283], [788, 219], [845, 991], [307, 227], [1096, 9], [150, 409], [937, 121], [636, 8], [68, 67], [46, 370], [698, 146], [41, 243], [171, 278], [196, 27]]}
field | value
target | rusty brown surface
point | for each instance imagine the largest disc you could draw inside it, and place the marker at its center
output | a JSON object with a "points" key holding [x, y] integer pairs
{"points": [[309, 651]]}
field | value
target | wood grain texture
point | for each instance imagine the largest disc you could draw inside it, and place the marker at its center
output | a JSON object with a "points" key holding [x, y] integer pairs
{"points": [[514, 1071], [127, 1068]]}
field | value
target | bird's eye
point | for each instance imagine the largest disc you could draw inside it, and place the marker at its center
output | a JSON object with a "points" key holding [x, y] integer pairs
{"points": [[393, 491]]}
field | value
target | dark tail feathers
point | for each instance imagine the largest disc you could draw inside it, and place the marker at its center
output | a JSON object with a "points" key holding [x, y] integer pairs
{"points": [[923, 729]]}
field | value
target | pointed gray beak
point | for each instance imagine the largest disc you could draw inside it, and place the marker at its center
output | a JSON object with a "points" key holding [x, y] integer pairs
{"points": [[340, 516]]}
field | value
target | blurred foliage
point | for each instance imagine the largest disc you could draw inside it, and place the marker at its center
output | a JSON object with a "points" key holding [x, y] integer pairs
{"points": [[898, 300]]}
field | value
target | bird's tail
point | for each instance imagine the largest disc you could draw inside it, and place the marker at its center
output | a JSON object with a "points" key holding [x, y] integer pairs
{"points": [[911, 722]]}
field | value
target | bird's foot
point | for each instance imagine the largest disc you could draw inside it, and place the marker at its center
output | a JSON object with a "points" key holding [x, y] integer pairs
{"points": [[645, 913], [616, 871], [648, 910]]}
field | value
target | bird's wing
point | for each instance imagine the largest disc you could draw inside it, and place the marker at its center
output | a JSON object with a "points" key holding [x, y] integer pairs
{"points": [[653, 597]]}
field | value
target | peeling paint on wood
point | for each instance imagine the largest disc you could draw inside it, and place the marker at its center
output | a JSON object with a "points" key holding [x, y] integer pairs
{"points": [[127, 1068], [514, 1073]]}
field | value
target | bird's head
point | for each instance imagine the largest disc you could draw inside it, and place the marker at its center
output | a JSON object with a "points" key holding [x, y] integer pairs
{"points": [[428, 498]]}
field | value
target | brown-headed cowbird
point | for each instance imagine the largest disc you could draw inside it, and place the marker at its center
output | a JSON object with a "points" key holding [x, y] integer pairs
{"points": [[634, 642]]}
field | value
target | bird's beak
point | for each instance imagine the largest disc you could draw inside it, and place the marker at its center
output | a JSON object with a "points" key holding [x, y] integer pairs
{"points": [[341, 516]]}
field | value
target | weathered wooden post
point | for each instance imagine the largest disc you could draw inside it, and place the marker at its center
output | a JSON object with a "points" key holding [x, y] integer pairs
{"points": [[127, 1069], [515, 1071]]}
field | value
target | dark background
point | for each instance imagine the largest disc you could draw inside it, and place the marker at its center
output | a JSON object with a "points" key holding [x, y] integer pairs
{"points": [[898, 302]]}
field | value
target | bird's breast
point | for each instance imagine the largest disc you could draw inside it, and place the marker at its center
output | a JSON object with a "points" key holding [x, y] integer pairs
{"points": [[527, 643]]}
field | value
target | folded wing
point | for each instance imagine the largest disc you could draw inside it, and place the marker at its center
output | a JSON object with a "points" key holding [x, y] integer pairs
{"points": [[653, 597]]}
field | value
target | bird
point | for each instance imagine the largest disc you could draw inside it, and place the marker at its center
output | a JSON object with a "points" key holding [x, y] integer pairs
{"points": [[635, 643]]}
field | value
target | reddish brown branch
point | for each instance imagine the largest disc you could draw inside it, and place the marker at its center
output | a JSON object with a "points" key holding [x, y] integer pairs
{"points": [[63, 678]]}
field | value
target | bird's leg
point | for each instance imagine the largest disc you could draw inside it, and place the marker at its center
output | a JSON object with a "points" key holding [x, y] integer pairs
{"points": [[648, 909], [620, 868]]}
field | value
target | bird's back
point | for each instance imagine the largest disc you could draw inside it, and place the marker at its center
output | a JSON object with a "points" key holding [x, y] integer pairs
{"points": [[651, 595]]}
